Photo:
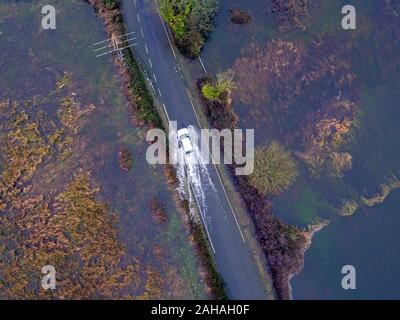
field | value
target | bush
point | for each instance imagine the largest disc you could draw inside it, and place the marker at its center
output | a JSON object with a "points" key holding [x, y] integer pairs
{"points": [[218, 111], [111, 4], [348, 207], [190, 44], [210, 92], [191, 22], [274, 170], [214, 90]]}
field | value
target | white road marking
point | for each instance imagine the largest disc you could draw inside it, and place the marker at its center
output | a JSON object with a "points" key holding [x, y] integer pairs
{"points": [[159, 92], [202, 65], [138, 17], [229, 202], [165, 110], [145, 48], [134, 1], [151, 65], [155, 78], [141, 31], [191, 102]]}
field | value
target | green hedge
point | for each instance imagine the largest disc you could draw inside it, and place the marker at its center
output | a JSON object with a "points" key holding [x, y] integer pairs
{"points": [[144, 101]]}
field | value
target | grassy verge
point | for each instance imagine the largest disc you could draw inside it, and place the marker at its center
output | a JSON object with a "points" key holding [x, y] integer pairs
{"points": [[215, 280]]}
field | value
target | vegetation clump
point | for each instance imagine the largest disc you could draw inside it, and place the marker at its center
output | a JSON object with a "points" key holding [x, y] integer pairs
{"points": [[125, 159], [240, 17], [216, 95], [158, 211], [348, 207], [266, 71], [191, 22], [274, 169], [63, 81], [385, 189], [289, 13], [214, 90]]}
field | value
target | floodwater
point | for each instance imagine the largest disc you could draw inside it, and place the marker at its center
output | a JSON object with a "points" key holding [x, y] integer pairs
{"points": [[31, 61], [369, 239]]}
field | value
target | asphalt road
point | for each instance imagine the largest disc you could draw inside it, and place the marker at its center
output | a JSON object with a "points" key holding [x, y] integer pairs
{"points": [[233, 256]]}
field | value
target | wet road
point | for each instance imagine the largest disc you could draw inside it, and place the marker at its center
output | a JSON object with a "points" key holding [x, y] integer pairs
{"points": [[233, 256]]}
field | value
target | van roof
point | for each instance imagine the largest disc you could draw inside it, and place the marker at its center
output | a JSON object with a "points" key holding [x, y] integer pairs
{"points": [[187, 146]]}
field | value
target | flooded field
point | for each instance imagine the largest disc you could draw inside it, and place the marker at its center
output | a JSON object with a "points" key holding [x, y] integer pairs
{"points": [[74, 157], [329, 96]]}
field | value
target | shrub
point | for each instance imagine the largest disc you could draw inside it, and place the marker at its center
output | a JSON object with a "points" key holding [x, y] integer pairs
{"points": [[274, 169], [175, 13], [190, 44], [191, 22], [210, 92], [214, 90], [240, 17], [158, 211], [219, 111], [348, 207]]}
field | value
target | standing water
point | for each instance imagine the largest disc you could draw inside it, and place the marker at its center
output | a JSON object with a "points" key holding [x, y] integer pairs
{"points": [[192, 172]]}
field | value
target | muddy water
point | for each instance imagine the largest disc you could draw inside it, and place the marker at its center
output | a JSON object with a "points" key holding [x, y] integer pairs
{"points": [[31, 62], [368, 239]]}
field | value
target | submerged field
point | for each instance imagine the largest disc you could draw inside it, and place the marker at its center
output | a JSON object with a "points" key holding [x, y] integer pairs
{"points": [[330, 97], [76, 190]]}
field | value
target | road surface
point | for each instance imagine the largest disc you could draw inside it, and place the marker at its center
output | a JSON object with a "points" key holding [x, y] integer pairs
{"points": [[233, 256]]}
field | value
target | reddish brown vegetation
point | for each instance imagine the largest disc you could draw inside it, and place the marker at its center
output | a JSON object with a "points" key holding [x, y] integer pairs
{"points": [[263, 71], [240, 16], [158, 211], [125, 159], [289, 13], [332, 110], [293, 81]]}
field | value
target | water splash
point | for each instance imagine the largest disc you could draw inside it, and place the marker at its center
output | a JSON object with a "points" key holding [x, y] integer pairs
{"points": [[194, 179]]}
